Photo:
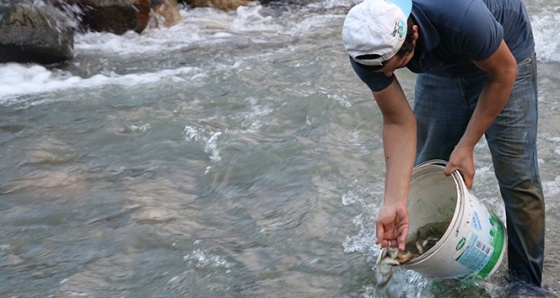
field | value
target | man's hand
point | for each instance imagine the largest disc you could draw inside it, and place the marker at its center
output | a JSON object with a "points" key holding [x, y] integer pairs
{"points": [[392, 225], [462, 159]]}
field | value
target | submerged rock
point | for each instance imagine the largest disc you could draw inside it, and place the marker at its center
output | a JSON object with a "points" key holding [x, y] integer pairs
{"points": [[218, 4], [165, 12], [34, 33]]}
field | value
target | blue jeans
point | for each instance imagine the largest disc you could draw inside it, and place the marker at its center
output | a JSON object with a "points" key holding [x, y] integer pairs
{"points": [[443, 107]]}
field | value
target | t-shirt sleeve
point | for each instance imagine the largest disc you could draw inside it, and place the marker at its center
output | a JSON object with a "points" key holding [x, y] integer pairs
{"points": [[481, 33], [376, 81]]}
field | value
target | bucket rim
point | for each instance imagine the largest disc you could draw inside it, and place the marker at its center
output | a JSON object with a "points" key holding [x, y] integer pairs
{"points": [[460, 182]]}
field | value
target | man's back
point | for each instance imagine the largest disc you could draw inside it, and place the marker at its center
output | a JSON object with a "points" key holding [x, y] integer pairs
{"points": [[454, 32]]}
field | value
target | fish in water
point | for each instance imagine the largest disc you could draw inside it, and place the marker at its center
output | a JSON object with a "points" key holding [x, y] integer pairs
{"points": [[426, 237], [388, 258]]}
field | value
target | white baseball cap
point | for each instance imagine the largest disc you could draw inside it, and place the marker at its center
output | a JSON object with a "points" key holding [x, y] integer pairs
{"points": [[375, 30]]}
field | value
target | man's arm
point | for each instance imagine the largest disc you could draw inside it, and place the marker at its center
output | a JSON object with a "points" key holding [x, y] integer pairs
{"points": [[502, 72], [399, 144]]}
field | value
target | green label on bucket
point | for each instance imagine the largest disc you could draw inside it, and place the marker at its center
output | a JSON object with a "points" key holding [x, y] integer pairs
{"points": [[498, 239], [475, 254], [481, 255], [461, 243]]}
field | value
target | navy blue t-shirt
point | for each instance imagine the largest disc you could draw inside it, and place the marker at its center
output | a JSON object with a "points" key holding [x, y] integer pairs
{"points": [[455, 32]]}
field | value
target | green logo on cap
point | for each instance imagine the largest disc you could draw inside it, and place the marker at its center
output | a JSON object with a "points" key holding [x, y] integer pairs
{"points": [[399, 29]]}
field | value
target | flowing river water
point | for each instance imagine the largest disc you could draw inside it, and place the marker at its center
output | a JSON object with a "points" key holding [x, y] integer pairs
{"points": [[235, 154]]}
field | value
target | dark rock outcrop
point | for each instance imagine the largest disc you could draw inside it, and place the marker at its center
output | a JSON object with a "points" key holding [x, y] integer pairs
{"points": [[34, 33], [115, 16]]}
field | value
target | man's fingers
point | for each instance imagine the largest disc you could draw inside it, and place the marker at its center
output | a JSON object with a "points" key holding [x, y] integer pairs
{"points": [[449, 168], [467, 178], [468, 182]]}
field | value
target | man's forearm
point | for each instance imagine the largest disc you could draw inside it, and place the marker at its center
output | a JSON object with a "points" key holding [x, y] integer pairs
{"points": [[399, 144], [491, 102], [502, 73]]}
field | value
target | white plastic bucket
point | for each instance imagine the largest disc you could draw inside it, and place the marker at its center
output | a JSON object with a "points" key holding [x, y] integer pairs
{"points": [[474, 242]]}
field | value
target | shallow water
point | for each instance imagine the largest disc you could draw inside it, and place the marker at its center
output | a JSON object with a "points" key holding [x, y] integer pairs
{"points": [[235, 154]]}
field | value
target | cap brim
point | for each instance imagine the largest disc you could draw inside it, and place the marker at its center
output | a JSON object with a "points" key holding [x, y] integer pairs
{"points": [[404, 5]]}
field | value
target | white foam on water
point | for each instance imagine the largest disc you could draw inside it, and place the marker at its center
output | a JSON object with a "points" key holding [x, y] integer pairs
{"points": [[20, 79], [140, 128], [212, 147], [199, 25], [249, 19], [547, 36], [349, 198], [551, 188], [342, 100], [201, 259], [363, 241], [191, 133], [210, 139], [257, 116]]}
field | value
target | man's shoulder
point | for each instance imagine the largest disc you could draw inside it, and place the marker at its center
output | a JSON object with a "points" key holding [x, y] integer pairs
{"points": [[444, 5], [447, 10], [454, 16]]}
